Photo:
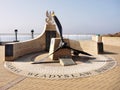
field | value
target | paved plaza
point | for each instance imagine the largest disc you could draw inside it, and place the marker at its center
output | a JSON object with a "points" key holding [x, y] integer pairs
{"points": [[85, 66], [108, 80]]}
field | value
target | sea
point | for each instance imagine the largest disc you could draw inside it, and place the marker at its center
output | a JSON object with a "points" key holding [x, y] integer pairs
{"points": [[9, 37]]}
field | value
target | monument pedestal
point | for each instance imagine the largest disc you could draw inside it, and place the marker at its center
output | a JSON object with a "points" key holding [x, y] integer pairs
{"points": [[61, 53]]}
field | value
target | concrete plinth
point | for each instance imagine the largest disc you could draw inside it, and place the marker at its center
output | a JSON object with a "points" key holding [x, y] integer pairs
{"points": [[66, 61], [60, 53]]}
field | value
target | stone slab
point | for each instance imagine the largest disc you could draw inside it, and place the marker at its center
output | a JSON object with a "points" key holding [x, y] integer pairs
{"points": [[66, 61]]}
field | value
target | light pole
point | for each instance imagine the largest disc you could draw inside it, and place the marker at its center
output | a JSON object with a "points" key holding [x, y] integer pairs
{"points": [[32, 33], [16, 35]]}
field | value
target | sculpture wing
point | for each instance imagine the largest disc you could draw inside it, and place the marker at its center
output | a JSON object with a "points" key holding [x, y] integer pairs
{"points": [[59, 26], [78, 51]]}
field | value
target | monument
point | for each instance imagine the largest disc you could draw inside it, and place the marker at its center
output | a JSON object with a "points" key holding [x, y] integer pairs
{"points": [[60, 47], [51, 56]]}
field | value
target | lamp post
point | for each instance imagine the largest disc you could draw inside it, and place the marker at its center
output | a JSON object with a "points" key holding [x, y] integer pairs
{"points": [[32, 33], [16, 35]]}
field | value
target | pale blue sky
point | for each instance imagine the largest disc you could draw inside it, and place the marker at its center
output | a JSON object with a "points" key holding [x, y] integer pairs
{"points": [[76, 16]]}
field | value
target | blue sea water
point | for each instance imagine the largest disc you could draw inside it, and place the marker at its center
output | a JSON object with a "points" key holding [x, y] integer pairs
{"points": [[24, 37]]}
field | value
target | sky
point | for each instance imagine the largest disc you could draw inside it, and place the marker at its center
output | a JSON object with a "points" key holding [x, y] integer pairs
{"points": [[76, 16]]}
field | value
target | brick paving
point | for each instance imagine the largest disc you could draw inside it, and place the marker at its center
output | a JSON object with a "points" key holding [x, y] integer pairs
{"points": [[109, 80]]}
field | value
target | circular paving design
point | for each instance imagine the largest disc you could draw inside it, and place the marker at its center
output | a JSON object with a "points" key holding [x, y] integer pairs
{"points": [[86, 66]]}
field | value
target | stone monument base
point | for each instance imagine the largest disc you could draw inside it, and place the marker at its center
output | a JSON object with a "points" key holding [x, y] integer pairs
{"points": [[61, 53]]}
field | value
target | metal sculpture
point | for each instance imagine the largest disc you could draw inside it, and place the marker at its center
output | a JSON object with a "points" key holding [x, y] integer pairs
{"points": [[62, 44]]}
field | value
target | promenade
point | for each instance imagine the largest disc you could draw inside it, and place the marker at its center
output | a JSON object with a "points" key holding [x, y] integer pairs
{"points": [[109, 80]]}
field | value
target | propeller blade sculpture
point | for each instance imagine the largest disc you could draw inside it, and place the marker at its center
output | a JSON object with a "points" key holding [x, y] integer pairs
{"points": [[62, 44]]}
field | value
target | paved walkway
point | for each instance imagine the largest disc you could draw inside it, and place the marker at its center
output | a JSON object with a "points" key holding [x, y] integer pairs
{"points": [[109, 80], [85, 66]]}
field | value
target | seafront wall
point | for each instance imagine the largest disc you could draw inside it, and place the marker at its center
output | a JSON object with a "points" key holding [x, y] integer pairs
{"points": [[12, 51], [17, 49], [2, 53], [114, 41], [89, 46]]}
